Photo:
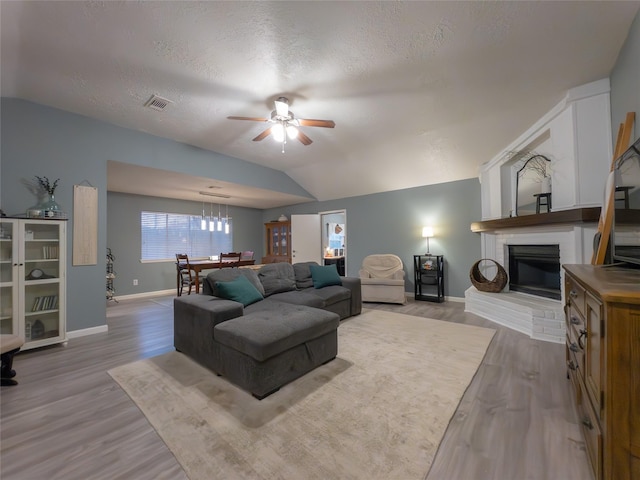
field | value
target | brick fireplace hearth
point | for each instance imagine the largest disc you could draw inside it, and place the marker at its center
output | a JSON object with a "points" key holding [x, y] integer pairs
{"points": [[537, 316]]}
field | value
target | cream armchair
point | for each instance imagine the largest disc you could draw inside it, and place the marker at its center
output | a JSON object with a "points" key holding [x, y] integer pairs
{"points": [[382, 278]]}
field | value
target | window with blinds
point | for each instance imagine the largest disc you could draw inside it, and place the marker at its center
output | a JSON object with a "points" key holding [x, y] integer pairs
{"points": [[165, 234]]}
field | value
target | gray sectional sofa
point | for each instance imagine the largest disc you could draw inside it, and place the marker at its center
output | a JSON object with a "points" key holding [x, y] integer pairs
{"points": [[261, 341]]}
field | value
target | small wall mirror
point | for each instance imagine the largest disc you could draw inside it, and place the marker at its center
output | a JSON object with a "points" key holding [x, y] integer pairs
{"points": [[532, 178]]}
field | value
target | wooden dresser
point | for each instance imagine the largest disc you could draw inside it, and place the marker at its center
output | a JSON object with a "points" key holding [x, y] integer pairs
{"points": [[602, 307]]}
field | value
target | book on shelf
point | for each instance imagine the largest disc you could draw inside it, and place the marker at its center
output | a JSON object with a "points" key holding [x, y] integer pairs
{"points": [[50, 252], [48, 302]]}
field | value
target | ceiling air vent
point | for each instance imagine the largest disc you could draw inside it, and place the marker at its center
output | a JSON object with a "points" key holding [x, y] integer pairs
{"points": [[157, 103]]}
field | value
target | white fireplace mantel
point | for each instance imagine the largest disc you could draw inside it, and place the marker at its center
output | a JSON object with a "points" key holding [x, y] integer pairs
{"points": [[576, 136]]}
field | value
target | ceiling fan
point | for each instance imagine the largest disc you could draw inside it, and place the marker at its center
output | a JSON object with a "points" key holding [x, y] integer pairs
{"points": [[285, 124]]}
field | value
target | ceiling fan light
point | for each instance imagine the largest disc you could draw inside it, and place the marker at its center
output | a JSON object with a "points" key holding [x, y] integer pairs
{"points": [[282, 106], [292, 132], [278, 132]]}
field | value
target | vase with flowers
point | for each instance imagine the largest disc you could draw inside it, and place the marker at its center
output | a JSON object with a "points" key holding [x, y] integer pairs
{"points": [[49, 207]]}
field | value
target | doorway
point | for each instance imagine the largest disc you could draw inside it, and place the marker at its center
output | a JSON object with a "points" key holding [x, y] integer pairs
{"points": [[334, 239]]}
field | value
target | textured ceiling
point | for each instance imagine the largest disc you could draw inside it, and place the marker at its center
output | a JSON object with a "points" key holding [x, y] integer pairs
{"points": [[421, 92]]}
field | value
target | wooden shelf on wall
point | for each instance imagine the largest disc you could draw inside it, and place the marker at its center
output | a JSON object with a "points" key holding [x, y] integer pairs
{"points": [[576, 215]]}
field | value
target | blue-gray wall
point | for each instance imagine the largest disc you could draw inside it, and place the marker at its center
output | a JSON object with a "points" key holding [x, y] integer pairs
{"points": [[44, 141], [391, 222], [625, 82], [38, 140], [123, 215]]}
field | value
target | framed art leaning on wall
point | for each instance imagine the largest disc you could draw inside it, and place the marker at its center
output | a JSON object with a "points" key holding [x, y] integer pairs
{"points": [[85, 225]]}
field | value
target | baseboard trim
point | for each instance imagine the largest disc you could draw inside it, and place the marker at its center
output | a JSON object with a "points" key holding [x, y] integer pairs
{"points": [[157, 293], [87, 331], [410, 297], [454, 299]]}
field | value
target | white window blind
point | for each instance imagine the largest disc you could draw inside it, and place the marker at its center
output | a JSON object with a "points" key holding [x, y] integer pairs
{"points": [[165, 234]]}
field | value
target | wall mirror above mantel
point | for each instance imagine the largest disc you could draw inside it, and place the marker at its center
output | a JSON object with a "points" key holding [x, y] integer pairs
{"points": [[533, 178], [520, 178]]}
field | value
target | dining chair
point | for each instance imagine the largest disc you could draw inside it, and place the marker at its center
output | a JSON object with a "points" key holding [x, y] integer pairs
{"points": [[230, 259], [184, 272]]}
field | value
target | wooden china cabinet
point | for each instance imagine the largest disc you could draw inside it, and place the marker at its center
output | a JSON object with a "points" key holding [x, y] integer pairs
{"points": [[278, 235]]}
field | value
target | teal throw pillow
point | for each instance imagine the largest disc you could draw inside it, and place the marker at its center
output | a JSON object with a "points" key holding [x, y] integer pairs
{"points": [[240, 290], [324, 276]]}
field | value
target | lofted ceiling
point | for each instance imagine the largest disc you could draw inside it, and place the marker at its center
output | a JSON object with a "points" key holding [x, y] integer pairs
{"points": [[421, 92]]}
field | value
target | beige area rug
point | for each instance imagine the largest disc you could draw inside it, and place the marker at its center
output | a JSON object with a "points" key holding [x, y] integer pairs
{"points": [[378, 411]]}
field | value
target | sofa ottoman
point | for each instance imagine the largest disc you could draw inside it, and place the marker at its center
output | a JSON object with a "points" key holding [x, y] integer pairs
{"points": [[266, 349]]}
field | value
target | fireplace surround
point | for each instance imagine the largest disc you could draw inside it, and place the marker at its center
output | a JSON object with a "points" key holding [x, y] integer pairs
{"points": [[536, 316]]}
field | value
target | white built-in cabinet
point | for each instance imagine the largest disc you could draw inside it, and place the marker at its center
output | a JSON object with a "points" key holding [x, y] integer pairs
{"points": [[576, 136], [33, 280]]}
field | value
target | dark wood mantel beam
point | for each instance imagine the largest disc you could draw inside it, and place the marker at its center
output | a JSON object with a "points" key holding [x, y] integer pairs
{"points": [[576, 215]]}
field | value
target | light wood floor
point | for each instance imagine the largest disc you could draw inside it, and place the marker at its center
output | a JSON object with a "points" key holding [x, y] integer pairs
{"points": [[68, 419]]}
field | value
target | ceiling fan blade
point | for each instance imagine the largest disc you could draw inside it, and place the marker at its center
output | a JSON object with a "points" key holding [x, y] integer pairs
{"points": [[263, 135], [253, 119], [304, 139], [308, 122]]}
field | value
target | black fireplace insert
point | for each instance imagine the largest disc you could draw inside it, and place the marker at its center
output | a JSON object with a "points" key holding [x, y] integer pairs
{"points": [[535, 269]]}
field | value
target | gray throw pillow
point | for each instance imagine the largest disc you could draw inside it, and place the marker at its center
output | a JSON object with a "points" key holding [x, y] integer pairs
{"points": [[303, 274], [277, 277], [229, 274]]}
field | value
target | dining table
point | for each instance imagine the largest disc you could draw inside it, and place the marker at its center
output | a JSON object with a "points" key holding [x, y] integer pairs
{"points": [[199, 265]]}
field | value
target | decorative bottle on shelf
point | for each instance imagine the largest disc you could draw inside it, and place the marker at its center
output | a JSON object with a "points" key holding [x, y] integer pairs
{"points": [[50, 207]]}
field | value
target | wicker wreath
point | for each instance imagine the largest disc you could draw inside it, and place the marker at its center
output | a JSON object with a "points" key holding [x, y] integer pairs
{"points": [[482, 283]]}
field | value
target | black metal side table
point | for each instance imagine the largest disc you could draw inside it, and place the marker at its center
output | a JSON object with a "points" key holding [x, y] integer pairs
{"points": [[428, 273], [338, 262]]}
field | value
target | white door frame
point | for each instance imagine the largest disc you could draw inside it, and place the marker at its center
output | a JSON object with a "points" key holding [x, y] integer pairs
{"points": [[341, 211]]}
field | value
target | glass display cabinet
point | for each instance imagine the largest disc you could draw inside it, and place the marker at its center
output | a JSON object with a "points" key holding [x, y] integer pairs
{"points": [[33, 280]]}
